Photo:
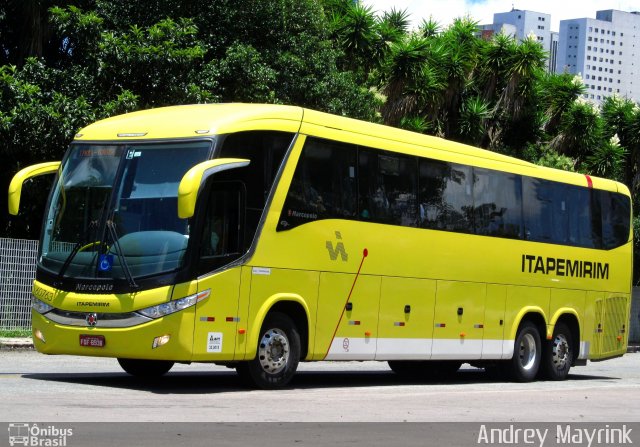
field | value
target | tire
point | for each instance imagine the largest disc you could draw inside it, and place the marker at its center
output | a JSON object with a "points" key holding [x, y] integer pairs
{"points": [[415, 370], [145, 368], [277, 356], [527, 353], [557, 354]]}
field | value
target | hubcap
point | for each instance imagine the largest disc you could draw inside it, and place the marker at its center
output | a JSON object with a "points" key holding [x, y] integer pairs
{"points": [[560, 351], [273, 351], [527, 352]]}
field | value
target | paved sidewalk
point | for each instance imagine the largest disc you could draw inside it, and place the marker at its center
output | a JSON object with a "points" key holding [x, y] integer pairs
{"points": [[11, 343]]}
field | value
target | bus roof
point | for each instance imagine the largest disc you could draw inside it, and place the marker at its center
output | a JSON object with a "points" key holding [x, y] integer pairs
{"points": [[200, 120]]}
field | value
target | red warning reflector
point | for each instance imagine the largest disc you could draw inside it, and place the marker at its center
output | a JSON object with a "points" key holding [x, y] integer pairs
{"points": [[233, 319], [399, 323], [207, 318], [441, 325], [478, 326], [354, 322]]}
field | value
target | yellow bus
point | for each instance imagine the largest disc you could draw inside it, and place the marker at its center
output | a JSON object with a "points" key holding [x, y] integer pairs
{"points": [[259, 236]]}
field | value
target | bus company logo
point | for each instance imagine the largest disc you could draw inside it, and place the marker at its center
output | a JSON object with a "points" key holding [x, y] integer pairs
{"points": [[91, 319], [338, 250], [33, 435]]}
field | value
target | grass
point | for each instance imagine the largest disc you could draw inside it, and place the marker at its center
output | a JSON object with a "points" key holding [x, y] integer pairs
{"points": [[15, 332]]}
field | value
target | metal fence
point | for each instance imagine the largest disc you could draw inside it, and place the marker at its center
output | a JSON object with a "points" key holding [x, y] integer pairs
{"points": [[17, 272]]}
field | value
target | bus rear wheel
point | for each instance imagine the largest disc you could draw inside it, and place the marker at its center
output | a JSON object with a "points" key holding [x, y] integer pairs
{"points": [[145, 368], [525, 363], [277, 356], [557, 354]]}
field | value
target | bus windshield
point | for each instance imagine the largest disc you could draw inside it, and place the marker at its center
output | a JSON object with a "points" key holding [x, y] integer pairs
{"points": [[113, 211]]}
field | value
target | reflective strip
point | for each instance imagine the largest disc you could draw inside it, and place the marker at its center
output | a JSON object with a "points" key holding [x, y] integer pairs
{"points": [[404, 349], [366, 348]]}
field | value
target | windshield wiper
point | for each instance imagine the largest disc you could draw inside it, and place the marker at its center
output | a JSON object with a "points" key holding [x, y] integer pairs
{"points": [[123, 261], [67, 261]]}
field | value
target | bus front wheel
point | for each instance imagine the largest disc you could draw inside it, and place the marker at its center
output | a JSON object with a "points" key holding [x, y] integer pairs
{"points": [[525, 363], [557, 354], [145, 368], [277, 356]]}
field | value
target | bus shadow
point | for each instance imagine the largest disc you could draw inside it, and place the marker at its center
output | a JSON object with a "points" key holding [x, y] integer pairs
{"points": [[228, 381]]}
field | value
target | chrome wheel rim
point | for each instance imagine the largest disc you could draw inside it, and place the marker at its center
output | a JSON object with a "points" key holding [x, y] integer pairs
{"points": [[527, 352], [273, 351], [560, 351]]}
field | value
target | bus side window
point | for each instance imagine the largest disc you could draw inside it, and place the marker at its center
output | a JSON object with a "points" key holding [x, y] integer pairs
{"points": [[446, 199], [388, 186], [497, 200], [615, 210], [222, 236], [323, 185]]}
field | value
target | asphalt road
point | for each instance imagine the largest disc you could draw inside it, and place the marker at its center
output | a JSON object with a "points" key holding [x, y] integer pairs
{"points": [[36, 387]]}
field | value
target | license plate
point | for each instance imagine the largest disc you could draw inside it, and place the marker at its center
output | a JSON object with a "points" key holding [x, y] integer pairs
{"points": [[92, 341]]}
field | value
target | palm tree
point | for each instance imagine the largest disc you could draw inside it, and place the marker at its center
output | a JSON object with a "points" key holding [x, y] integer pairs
{"points": [[607, 160], [356, 33], [397, 19], [558, 93], [429, 28], [493, 65], [463, 56], [407, 77], [580, 131], [472, 122], [525, 66]]}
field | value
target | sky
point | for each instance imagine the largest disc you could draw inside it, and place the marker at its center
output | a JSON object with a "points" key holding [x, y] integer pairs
{"points": [[444, 11]]}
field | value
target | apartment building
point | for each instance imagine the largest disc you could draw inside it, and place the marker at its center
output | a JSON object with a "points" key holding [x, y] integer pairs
{"points": [[605, 51]]}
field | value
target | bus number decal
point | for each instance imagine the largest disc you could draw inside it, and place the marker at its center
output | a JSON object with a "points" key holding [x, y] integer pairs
{"points": [[214, 342]]}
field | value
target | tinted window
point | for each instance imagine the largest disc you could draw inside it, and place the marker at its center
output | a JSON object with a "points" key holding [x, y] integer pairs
{"points": [[541, 221], [446, 197], [221, 240], [581, 231], [388, 188], [498, 203], [266, 151], [615, 211], [323, 186]]}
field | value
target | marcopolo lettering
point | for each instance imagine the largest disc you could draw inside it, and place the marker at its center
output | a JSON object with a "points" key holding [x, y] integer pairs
{"points": [[572, 268]]}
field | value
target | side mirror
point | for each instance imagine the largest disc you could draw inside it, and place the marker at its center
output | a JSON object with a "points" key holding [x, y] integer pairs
{"points": [[194, 178], [15, 187]]}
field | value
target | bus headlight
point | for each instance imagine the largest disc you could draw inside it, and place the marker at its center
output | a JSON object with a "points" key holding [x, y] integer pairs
{"points": [[40, 306], [174, 306]]}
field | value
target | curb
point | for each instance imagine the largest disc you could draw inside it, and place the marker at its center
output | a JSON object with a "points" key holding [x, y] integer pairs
{"points": [[14, 344]]}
